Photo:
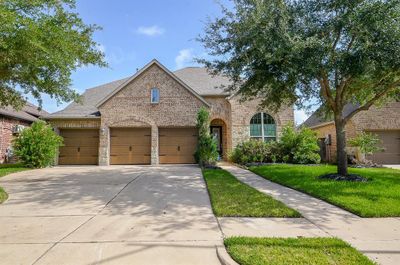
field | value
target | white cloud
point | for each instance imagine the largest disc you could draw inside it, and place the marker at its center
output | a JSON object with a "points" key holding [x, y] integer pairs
{"points": [[150, 31], [184, 58], [300, 116]]}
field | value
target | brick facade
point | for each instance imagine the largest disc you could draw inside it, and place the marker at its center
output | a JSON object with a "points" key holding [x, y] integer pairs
{"points": [[178, 107], [242, 112], [131, 107], [6, 135]]}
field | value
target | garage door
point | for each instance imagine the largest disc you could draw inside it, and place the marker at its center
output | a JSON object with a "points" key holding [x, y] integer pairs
{"points": [[177, 145], [81, 147], [391, 144], [130, 146]]}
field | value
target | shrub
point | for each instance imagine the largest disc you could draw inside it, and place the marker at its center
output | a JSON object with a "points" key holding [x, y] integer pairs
{"points": [[37, 146], [251, 151], [206, 151], [368, 143], [299, 147]]}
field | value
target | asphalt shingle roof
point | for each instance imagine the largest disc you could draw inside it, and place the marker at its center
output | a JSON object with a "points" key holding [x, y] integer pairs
{"points": [[196, 78], [28, 113], [317, 119]]}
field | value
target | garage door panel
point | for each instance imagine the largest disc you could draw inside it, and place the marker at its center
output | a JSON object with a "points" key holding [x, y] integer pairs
{"points": [[129, 159], [130, 146], [133, 140], [391, 144], [81, 147], [177, 145]]}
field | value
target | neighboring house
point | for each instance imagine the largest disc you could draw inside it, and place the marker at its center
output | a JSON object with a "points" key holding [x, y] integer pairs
{"points": [[383, 121], [12, 122], [150, 118]]}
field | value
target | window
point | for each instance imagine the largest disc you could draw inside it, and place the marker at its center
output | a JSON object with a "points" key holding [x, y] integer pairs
{"points": [[155, 95], [263, 127]]}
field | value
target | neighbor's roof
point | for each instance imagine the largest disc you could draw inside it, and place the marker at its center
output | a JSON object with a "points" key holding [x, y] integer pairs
{"points": [[195, 78], [317, 119], [29, 112]]}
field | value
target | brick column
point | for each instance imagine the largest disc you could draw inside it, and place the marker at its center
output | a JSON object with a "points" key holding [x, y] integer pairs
{"points": [[57, 131], [154, 145], [104, 146]]}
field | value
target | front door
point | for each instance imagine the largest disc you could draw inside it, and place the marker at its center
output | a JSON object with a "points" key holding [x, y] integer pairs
{"points": [[216, 133]]}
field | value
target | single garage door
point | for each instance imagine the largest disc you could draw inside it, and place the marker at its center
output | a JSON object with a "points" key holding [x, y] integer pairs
{"points": [[130, 146], [391, 144], [81, 147], [177, 145]]}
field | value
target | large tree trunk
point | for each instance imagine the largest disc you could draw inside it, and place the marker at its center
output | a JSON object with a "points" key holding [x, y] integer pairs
{"points": [[341, 146]]}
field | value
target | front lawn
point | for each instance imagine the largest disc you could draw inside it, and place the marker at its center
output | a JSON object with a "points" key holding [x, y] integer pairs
{"points": [[295, 251], [230, 197], [6, 169], [379, 197]]}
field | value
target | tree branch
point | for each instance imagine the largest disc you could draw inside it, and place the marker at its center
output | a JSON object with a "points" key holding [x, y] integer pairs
{"points": [[326, 91], [369, 103]]}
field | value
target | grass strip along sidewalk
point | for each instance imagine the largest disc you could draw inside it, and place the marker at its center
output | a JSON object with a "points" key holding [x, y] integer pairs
{"points": [[296, 251], [378, 197], [232, 198]]}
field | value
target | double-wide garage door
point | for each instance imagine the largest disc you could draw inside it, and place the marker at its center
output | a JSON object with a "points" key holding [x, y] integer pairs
{"points": [[391, 145], [81, 147]]}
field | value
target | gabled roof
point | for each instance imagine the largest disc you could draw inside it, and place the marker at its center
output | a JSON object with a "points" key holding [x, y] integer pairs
{"points": [[87, 107], [196, 79], [317, 119], [29, 112], [153, 62]]}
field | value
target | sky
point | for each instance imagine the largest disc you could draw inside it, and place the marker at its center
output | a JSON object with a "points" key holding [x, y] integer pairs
{"points": [[136, 31]]}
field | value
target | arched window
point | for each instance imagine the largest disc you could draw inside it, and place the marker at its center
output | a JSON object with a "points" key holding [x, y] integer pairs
{"points": [[263, 127], [155, 95]]}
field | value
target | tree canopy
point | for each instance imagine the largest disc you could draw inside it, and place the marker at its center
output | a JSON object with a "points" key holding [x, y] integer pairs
{"points": [[326, 52], [41, 43]]}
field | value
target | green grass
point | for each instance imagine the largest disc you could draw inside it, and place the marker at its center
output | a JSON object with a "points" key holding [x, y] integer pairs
{"points": [[6, 169], [293, 251], [230, 197], [379, 197]]}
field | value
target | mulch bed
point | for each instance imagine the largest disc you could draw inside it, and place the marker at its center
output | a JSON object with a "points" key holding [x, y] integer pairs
{"points": [[338, 177]]}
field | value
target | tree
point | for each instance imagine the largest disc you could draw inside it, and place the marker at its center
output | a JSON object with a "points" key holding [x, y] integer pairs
{"points": [[41, 43], [320, 51], [37, 145], [206, 150]]}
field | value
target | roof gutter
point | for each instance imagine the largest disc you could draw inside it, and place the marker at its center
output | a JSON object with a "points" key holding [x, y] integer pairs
{"points": [[321, 124]]}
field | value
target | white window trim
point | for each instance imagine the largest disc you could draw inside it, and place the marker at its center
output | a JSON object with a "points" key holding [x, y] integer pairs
{"points": [[263, 136]]}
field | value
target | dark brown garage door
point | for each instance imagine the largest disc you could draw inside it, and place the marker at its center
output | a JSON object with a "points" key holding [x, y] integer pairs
{"points": [[391, 144], [177, 145], [81, 147], [130, 146]]}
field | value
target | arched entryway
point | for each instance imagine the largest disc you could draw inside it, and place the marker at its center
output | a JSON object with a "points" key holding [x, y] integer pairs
{"points": [[218, 131]]}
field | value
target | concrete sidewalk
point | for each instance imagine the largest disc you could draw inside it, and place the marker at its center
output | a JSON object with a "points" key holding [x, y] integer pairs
{"points": [[378, 238]]}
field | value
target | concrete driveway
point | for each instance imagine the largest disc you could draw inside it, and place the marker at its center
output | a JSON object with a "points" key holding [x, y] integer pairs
{"points": [[108, 215]]}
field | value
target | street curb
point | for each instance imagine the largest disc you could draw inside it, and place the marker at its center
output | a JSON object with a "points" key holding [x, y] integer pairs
{"points": [[224, 257]]}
